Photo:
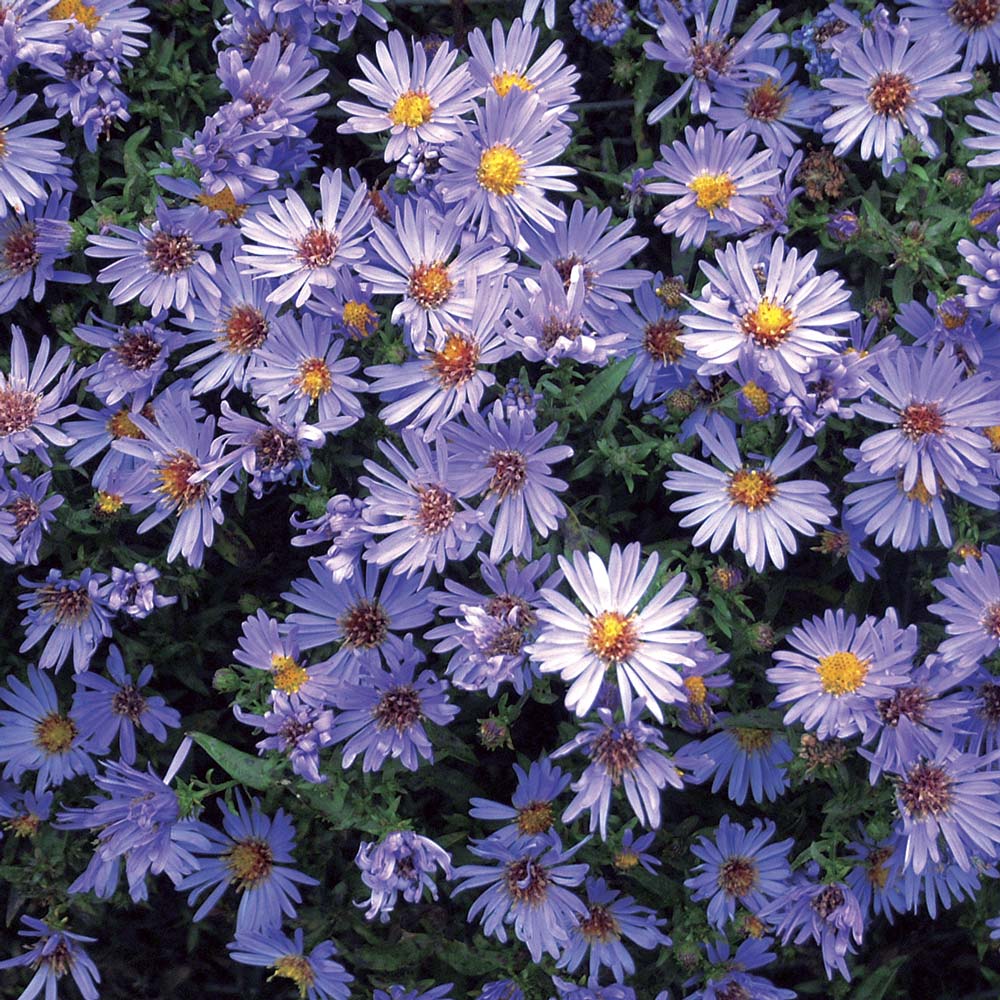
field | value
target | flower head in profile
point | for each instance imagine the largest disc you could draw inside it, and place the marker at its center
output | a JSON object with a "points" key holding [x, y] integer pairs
{"points": [[53, 953], [733, 976], [316, 975], [642, 646], [295, 729]]}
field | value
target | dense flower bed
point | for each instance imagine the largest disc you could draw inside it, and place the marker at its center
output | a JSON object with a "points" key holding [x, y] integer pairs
{"points": [[499, 503]]}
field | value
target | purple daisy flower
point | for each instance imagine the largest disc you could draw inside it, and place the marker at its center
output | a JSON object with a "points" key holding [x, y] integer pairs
{"points": [[416, 102], [937, 416], [889, 88], [402, 862], [966, 24], [383, 716], [982, 719], [610, 918], [52, 954], [876, 878], [27, 162], [700, 683], [418, 508], [943, 884], [711, 54], [731, 977], [36, 736], [506, 459], [784, 326], [76, 612], [248, 855], [739, 866], [983, 210], [349, 305], [747, 502], [360, 613], [632, 755], [109, 710], [846, 542], [527, 884], [498, 172], [304, 249], [716, 184], [342, 525], [604, 21], [633, 852], [29, 412], [530, 812], [838, 671], [133, 591], [641, 646], [751, 759], [166, 265], [415, 260], [316, 975], [33, 512], [24, 812]]}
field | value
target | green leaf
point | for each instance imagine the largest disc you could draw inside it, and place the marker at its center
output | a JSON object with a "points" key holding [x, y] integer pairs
{"points": [[874, 985], [602, 388], [254, 772]]}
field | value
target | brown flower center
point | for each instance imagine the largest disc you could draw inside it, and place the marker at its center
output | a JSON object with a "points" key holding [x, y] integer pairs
{"points": [[138, 350], [527, 881], [974, 15], [128, 701], [661, 341], [365, 625], [170, 254], [436, 510], [244, 330], [737, 876], [249, 861], [510, 472], [827, 901], [430, 285], [891, 94], [18, 409], [766, 102], [19, 251], [69, 605], [317, 248], [926, 790], [599, 925], [908, 701], [616, 753], [399, 708], [920, 419], [753, 740], [991, 619], [535, 817]]}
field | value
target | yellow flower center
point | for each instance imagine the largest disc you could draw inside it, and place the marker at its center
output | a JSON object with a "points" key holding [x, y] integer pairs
{"points": [[842, 673], [714, 191], [224, 201], [175, 480], [697, 692], [752, 488], [288, 675], [757, 398], [769, 324], [55, 733], [430, 284], [411, 109], [359, 318], [456, 362], [314, 378], [500, 170], [505, 81], [108, 503], [535, 817], [993, 436], [122, 426], [626, 860], [613, 637], [68, 10], [920, 494], [297, 969], [249, 861]]}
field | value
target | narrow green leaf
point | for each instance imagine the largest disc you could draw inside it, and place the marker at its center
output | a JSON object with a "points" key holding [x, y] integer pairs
{"points": [[254, 772], [602, 388]]}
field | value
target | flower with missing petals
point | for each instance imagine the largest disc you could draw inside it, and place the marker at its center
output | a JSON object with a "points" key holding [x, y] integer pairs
{"points": [[530, 812], [316, 975], [53, 954], [402, 862]]}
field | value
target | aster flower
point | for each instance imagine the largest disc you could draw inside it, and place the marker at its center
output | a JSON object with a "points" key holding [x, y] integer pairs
{"points": [[971, 608], [419, 509], [133, 591], [360, 613], [297, 730], [739, 866], [109, 710], [433, 389], [510, 64], [952, 794], [731, 976], [700, 684], [166, 265], [173, 451], [751, 759], [383, 716], [937, 416], [342, 525], [137, 819], [27, 162], [53, 953], [32, 510], [964, 24], [415, 260], [402, 862], [947, 324], [982, 289], [304, 249], [989, 124], [501, 989], [249, 855], [847, 542], [498, 172], [24, 812], [943, 884], [76, 611], [982, 718], [415, 102], [633, 852], [316, 975], [710, 54], [36, 736], [527, 884], [401, 993], [717, 183], [749, 502], [30, 413], [628, 754], [530, 812], [604, 21], [889, 88], [348, 304], [876, 878], [610, 918], [784, 326], [839, 670], [829, 914]]}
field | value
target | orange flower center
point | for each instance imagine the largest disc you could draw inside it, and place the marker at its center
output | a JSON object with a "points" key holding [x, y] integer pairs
{"points": [[752, 488], [613, 637]]}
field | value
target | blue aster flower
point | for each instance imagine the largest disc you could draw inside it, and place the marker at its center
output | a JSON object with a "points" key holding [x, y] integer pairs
{"points": [[751, 759], [731, 976], [76, 612], [739, 866], [29, 411], [633, 852], [27, 501], [416, 101], [383, 716], [295, 729], [502, 989], [401, 993], [610, 918], [24, 812], [946, 324], [967, 24], [642, 646], [604, 21], [402, 862], [891, 81], [982, 720], [106, 710], [749, 502], [341, 524], [530, 812], [133, 591], [249, 855], [53, 953], [499, 172], [717, 183], [316, 974], [349, 305], [631, 755], [944, 883], [877, 877], [166, 265], [572, 991], [36, 736], [847, 542], [526, 884], [27, 164]]}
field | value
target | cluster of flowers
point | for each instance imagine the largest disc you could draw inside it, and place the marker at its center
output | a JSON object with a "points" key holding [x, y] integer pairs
{"points": [[247, 367]]}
